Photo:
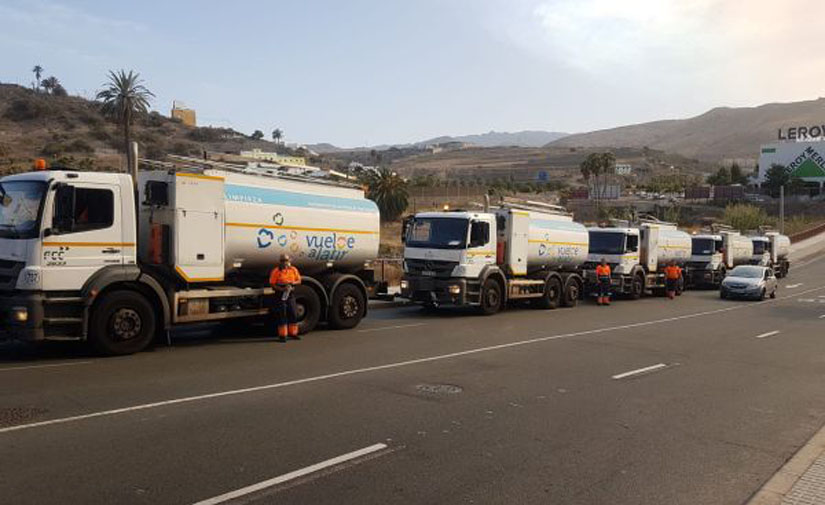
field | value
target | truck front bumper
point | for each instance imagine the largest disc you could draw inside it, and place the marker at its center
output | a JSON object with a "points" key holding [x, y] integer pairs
{"points": [[429, 290], [21, 316]]}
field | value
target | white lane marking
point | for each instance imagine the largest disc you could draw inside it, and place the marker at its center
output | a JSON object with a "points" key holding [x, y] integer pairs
{"points": [[398, 364], [392, 327], [639, 371], [29, 367], [822, 316], [292, 475], [768, 334], [791, 286]]}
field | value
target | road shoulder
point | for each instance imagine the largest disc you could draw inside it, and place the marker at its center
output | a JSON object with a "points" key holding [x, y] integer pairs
{"points": [[801, 480]]}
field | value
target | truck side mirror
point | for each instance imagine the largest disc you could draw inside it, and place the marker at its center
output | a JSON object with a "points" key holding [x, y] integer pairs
{"points": [[405, 227], [63, 217], [479, 233]]}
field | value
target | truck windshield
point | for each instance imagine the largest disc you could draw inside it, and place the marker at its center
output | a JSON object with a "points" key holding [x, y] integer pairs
{"points": [[603, 242], [20, 208], [703, 246], [438, 233], [758, 247]]}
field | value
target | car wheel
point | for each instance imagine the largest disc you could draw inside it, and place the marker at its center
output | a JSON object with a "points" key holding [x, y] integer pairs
{"points": [[762, 294], [723, 295], [773, 294]]}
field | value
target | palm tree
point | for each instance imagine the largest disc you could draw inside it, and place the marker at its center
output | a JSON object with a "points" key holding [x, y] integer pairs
{"points": [[389, 191], [50, 84], [277, 134], [123, 97], [38, 71]]}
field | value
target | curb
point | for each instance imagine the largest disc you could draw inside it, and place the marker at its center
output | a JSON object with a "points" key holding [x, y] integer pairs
{"points": [[775, 489]]}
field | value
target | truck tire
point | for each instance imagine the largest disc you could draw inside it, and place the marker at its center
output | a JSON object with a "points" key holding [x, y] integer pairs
{"points": [[571, 294], [348, 307], [309, 308], [637, 287], [123, 322], [552, 294], [490, 297]]}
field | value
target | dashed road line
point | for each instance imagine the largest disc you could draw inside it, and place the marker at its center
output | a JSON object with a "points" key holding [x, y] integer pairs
{"points": [[53, 365], [791, 286], [640, 371], [281, 479], [391, 327], [768, 334]]}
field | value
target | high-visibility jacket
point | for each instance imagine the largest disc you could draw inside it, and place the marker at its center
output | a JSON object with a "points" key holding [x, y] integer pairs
{"points": [[673, 272], [288, 275], [603, 271]]}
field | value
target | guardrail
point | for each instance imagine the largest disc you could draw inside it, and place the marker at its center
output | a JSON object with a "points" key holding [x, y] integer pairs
{"points": [[810, 232]]}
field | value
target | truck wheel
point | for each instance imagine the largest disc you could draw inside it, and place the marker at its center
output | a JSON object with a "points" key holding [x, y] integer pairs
{"points": [[552, 294], [571, 294], [490, 297], [637, 287], [348, 307], [122, 323], [309, 308]]}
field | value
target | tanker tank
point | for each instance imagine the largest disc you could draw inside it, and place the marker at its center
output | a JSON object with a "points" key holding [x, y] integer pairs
{"points": [[556, 242], [738, 249], [315, 224]]}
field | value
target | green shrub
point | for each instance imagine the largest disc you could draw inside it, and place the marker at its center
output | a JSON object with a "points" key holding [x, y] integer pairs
{"points": [[743, 216], [26, 109]]}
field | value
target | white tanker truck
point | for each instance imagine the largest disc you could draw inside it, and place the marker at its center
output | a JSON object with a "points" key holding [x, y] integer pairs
{"points": [[517, 251], [714, 254], [81, 259], [636, 255], [772, 250]]}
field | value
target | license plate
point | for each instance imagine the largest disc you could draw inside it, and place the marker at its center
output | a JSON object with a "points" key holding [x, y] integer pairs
{"points": [[428, 273]]}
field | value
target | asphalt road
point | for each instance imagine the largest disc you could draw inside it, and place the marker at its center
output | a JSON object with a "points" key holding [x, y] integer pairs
{"points": [[523, 407]]}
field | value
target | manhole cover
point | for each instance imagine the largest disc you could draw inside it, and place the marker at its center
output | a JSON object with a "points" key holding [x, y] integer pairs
{"points": [[17, 415], [439, 389]]}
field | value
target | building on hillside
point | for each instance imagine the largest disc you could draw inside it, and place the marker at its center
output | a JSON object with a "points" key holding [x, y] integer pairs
{"points": [[623, 169], [186, 115], [280, 159], [802, 159]]}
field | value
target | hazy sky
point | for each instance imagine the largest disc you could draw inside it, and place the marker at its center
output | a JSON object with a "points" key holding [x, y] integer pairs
{"points": [[391, 71]]}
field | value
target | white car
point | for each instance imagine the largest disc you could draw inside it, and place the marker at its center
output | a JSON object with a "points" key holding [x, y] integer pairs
{"points": [[749, 281]]}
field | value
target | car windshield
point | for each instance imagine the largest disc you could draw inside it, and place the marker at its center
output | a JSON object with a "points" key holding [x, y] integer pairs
{"points": [[702, 246], [20, 209], [603, 242], [747, 272], [758, 247], [438, 233]]}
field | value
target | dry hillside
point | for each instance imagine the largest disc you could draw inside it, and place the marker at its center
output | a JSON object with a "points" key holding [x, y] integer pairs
{"points": [[524, 164], [719, 134], [72, 131]]}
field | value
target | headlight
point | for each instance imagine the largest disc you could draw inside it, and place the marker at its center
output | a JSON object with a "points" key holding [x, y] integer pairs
{"points": [[19, 314], [405, 284], [454, 289]]}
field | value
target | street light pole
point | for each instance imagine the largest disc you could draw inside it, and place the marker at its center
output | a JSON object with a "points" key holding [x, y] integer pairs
{"points": [[782, 209]]}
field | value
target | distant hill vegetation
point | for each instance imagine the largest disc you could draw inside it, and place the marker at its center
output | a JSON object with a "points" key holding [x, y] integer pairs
{"points": [[722, 133]]}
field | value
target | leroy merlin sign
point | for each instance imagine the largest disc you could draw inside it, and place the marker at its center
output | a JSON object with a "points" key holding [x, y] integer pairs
{"points": [[805, 160], [809, 163]]}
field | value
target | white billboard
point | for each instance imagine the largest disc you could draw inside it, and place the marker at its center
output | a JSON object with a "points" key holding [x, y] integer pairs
{"points": [[805, 160]]}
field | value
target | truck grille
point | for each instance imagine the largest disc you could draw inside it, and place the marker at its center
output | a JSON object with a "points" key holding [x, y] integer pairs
{"points": [[438, 268], [9, 271]]}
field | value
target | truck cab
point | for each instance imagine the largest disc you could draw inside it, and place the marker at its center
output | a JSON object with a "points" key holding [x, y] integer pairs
{"points": [[761, 251], [446, 254], [618, 246], [59, 231]]}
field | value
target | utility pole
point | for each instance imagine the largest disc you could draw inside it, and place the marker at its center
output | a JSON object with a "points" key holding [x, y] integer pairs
{"points": [[782, 209]]}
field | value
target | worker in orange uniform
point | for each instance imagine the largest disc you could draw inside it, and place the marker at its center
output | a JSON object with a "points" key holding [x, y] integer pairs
{"points": [[673, 273], [283, 280], [603, 278]]}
